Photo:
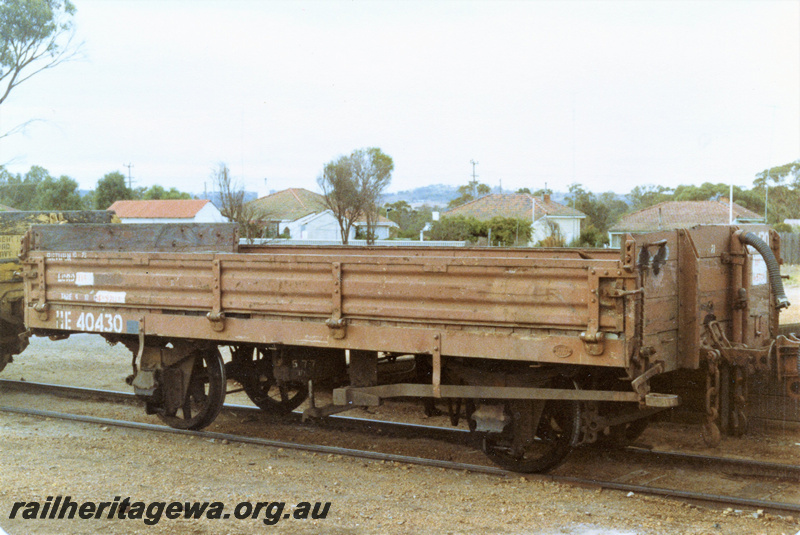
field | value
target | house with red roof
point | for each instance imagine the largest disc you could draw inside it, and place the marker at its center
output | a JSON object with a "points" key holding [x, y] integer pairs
{"points": [[680, 214], [168, 211], [548, 218]]}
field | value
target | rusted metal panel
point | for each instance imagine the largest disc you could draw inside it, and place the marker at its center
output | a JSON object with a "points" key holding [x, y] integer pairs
{"points": [[559, 348], [438, 252], [662, 314], [658, 267], [688, 304], [509, 294], [14, 224], [183, 237]]}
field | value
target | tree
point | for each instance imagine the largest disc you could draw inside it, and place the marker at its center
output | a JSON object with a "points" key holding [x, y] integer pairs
{"points": [[458, 228], [777, 191], [373, 174], [411, 221], [158, 193], [508, 231], [601, 211], [341, 195], [36, 35], [111, 188], [590, 237], [469, 192], [231, 194], [504, 231], [248, 216], [18, 191], [61, 194], [647, 195], [779, 174], [352, 186]]}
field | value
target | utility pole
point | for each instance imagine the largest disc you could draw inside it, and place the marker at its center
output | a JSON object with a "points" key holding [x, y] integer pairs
{"points": [[130, 181], [769, 171], [474, 177]]}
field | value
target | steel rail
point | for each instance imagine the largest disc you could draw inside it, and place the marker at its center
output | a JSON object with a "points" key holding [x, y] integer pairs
{"points": [[459, 436], [748, 466], [774, 507], [428, 431]]}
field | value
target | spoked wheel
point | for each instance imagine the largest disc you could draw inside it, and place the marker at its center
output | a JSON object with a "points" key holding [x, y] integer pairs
{"points": [[254, 371], [521, 451], [204, 395]]}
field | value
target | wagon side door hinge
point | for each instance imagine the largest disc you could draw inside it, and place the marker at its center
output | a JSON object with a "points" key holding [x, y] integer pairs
{"points": [[336, 323], [42, 307], [217, 315], [593, 340]]}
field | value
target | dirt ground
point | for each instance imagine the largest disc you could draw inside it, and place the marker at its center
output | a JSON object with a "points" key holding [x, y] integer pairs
{"points": [[44, 458]]}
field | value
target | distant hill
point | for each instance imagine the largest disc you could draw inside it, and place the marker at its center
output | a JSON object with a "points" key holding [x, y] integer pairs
{"points": [[440, 195], [213, 196], [435, 195]]}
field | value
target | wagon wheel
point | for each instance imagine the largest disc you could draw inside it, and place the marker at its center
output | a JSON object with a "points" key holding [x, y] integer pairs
{"points": [[254, 372], [5, 358], [558, 427], [205, 393]]}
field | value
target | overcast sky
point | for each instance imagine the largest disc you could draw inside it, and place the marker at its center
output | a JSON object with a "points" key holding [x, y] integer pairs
{"points": [[605, 94]]}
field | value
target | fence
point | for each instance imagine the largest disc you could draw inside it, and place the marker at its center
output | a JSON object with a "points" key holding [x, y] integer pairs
{"points": [[790, 247]]}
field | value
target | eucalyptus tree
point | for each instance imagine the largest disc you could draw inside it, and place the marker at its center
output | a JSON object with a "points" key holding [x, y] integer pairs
{"points": [[352, 186], [35, 35]]}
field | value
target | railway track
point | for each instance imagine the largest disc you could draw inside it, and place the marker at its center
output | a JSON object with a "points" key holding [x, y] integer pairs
{"points": [[570, 474], [408, 430]]}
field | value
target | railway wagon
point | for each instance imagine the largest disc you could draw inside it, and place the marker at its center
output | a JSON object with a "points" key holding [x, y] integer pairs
{"points": [[13, 225], [538, 349]]}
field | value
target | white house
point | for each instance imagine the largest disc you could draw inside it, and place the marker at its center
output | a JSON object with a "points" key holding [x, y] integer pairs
{"points": [[169, 211], [548, 218], [316, 226], [303, 215]]}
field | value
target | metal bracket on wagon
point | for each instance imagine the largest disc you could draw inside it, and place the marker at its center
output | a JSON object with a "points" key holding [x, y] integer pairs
{"points": [[787, 363], [336, 323], [217, 315], [651, 399], [42, 308], [594, 342], [217, 320]]}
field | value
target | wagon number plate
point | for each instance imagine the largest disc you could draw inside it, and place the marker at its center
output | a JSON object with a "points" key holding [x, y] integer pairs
{"points": [[98, 322]]}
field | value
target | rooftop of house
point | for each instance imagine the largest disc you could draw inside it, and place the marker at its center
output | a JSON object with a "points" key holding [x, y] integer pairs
{"points": [[162, 209], [679, 214], [295, 203], [289, 205], [518, 205]]}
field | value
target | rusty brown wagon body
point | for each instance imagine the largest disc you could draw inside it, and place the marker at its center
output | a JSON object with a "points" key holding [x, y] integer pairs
{"points": [[544, 346], [13, 225]]}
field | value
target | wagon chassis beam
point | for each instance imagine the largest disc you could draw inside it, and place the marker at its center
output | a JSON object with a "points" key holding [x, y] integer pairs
{"points": [[371, 396]]}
